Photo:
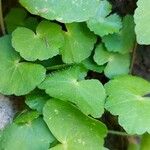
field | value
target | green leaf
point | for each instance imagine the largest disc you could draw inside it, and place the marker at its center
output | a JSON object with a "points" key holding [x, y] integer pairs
{"points": [[65, 11], [141, 18], [73, 130], [17, 77], [128, 98], [43, 44], [36, 100], [89, 64], [145, 143], [103, 23], [32, 136], [69, 85], [79, 43], [19, 17], [116, 64], [122, 42], [134, 144], [26, 116]]}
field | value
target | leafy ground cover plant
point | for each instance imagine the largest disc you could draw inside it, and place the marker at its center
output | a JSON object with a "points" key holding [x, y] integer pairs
{"points": [[71, 62]]}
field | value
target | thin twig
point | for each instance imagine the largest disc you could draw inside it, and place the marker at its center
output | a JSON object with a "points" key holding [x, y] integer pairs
{"points": [[133, 57], [1, 19], [118, 133]]}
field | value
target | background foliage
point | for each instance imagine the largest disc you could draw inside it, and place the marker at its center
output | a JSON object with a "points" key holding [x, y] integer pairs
{"points": [[73, 64]]}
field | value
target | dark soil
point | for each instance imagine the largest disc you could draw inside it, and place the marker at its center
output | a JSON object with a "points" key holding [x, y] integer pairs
{"points": [[142, 62]]}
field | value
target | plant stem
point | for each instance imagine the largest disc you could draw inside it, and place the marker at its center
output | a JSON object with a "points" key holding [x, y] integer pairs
{"points": [[118, 133], [1, 19], [56, 67], [133, 58]]}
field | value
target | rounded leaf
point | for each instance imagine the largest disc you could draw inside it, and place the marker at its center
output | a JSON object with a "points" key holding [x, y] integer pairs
{"points": [[73, 129], [26, 116], [89, 64], [117, 64], [17, 77], [36, 100], [43, 44], [141, 18], [65, 11], [79, 43], [122, 42], [34, 135], [18, 17], [145, 142], [103, 23], [67, 85], [128, 97]]}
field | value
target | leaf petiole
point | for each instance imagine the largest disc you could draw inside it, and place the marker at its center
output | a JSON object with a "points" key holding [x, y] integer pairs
{"points": [[118, 133], [57, 67]]}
